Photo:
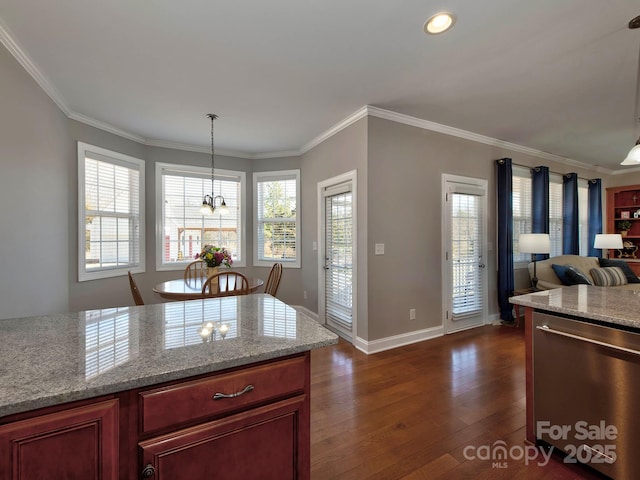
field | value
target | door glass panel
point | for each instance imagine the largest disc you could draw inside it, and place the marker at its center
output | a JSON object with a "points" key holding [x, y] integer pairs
{"points": [[466, 254], [338, 259]]}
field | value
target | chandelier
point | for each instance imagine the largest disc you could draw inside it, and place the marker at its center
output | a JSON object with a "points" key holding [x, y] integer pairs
{"points": [[209, 201]]}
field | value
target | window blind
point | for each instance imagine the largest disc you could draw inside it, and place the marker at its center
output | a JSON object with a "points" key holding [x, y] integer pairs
{"points": [[277, 222], [466, 253], [184, 229], [339, 258], [555, 214], [583, 216], [111, 213], [522, 222]]}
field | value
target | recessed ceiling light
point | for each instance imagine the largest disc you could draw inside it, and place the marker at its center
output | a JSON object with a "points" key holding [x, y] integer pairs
{"points": [[439, 23]]}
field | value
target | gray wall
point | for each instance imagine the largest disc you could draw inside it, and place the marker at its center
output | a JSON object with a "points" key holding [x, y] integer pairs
{"points": [[404, 179], [36, 161], [343, 152]]}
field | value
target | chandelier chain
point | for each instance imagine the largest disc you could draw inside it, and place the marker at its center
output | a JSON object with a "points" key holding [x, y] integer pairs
{"points": [[212, 116]]}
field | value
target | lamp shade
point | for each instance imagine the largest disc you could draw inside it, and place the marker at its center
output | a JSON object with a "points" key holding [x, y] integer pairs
{"points": [[608, 240], [534, 243], [633, 158]]}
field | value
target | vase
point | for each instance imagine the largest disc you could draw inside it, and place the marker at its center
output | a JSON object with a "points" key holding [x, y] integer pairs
{"points": [[624, 233], [211, 271]]}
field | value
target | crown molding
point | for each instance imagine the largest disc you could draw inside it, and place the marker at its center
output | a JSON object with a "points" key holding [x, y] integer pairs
{"points": [[107, 127], [19, 53], [354, 117], [195, 148], [282, 154], [626, 170], [476, 137]]}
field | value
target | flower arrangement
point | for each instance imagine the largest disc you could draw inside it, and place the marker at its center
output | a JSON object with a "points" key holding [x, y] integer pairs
{"points": [[214, 256]]}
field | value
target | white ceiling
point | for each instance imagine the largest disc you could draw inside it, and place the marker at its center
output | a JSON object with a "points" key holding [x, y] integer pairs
{"points": [[556, 76]]}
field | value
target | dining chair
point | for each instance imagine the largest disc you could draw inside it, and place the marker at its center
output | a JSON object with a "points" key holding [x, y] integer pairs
{"points": [[226, 284], [137, 296], [273, 280], [195, 271]]}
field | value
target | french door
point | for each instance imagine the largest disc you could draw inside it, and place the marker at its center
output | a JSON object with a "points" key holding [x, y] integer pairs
{"points": [[464, 243], [336, 256]]}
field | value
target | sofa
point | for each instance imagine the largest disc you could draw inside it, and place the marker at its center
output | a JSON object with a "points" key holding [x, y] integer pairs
{"points": [[599, 272]]}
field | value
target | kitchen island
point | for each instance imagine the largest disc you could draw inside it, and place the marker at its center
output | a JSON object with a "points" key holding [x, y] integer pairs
{"points": [[582, 375], [175, 390]]}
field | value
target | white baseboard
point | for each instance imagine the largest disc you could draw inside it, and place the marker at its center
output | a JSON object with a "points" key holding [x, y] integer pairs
{"points": [[494, 319], [307, 312], [375, 346]]}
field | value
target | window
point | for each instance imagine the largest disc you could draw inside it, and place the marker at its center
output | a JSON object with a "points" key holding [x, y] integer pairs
{"points": [[583, 214], [277, 224], [182, 229], [522, 220], [110, 213], [555, 214], [521, 211]]}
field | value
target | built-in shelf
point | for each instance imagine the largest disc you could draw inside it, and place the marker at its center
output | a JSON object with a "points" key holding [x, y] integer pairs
{"points": [[621, 199]]}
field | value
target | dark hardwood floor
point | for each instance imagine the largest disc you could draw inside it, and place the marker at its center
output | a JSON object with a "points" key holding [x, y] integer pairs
{"points": [[422, 411]]}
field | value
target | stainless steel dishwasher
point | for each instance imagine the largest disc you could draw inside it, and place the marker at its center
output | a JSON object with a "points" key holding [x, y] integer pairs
{"points": [[586, 389]]}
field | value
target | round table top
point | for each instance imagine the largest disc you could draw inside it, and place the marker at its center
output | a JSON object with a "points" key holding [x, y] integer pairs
{"points": [[182, 290]]}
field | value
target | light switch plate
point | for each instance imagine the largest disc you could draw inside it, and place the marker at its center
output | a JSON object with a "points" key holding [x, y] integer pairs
{"points": [[379, 248]]}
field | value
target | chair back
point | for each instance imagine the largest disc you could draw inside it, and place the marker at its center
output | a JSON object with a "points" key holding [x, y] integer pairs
{"points": [[137, 296], [195, 271], [273, 281], [226, 283]]}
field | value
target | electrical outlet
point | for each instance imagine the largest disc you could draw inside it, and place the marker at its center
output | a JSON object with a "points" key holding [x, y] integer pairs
{"points": [[305, 294], [379, 249], [412, 314]]}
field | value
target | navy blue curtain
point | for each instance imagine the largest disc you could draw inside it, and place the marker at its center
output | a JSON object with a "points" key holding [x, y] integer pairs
{"points": [[595, 215], [540, 203], [570, 219], [504, 184]]}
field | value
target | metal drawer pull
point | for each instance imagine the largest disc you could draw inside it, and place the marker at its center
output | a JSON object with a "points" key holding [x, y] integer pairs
{"points": [[220, 396], [545, 328]]}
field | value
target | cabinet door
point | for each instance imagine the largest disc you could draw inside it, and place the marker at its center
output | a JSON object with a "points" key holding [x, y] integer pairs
{"points": [[76, 444], [270, 442]]}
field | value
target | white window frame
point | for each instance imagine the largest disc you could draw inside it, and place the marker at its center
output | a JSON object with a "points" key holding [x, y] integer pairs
{"points": [[219, 174], [267, 177], [119, 159]]}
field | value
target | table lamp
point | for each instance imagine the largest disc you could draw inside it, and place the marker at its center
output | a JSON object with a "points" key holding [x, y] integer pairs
{"points": [[608, 241], [534, 243]]}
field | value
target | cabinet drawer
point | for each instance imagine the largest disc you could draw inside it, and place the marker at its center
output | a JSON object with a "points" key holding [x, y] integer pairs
{"points": [[184, 402]]}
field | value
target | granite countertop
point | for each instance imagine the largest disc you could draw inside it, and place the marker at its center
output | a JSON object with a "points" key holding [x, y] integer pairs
{"points": [[605, 304], [59, 358]]}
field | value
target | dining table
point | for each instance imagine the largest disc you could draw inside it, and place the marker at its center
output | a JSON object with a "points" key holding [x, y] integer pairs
{"points": [[181, 289]]}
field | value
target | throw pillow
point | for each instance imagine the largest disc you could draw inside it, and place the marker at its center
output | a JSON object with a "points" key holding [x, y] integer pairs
{"points": [[624, 266], [570, 275], [608, 276]]}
